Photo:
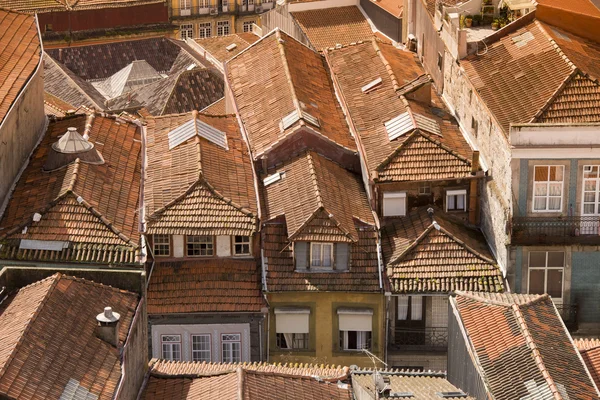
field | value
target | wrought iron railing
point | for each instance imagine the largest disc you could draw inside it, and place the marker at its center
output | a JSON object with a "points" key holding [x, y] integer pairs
{"points": [[568, 312], [559, 229], [215, 9], [428, 338]]}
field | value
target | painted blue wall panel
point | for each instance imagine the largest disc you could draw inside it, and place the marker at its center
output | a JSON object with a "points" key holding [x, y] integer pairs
{"points": [[585, 284]]}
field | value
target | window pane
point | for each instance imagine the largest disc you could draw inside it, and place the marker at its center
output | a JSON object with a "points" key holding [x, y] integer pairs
{"points": [[556, 173], [416, 308], [556, 259], [327, 258], [540, 189], [402, 308], [536, 281], [537, 259], [460, 202], [539, 203], [541, 173], [352, 340], [316, 254], [451, 202], [589, 197], [555, 189], [555, 282], [589, 209], [554, 203]]}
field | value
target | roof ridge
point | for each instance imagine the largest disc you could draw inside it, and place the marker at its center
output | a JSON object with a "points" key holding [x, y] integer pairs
{"points": [[443, 146], [414, 243], [315, 182], [466, 246], [401, 146], [535, 351], [288, 74], [388, 67]]}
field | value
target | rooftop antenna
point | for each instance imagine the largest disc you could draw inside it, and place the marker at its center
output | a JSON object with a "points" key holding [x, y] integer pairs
{"points": [[373, 358]]}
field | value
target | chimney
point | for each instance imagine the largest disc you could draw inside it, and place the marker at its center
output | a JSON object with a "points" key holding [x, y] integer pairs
{"points": [[108, 326]]}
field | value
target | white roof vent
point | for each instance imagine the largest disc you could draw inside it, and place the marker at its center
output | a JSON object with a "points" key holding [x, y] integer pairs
{"points": [[37, 217], [272, 178], [108, 316], [72, 143], [371, 85], [290, 119], [79, 199], [231, 47], [311, 119], [195, 127], [427, 124], [399, 125]]}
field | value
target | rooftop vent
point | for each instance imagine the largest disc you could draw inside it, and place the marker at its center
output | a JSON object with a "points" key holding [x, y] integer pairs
{"points": [[427, 124], [398, 126], [72, 142], [231, 47], [371, 85], [191, 67], [294, 116], [68, 148], [195, 127], [272, 178], [108, 326]]}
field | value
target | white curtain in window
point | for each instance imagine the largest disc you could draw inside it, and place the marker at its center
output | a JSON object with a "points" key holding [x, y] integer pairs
{"points": [[402, 308], [416, 308], [316, 254], [289, 340]]}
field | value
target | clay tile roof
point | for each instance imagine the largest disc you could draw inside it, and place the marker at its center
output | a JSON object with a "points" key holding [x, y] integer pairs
{"points": [[20, 52], [216, 46], [590, 352], [40, 6], [92, 207], [39, 352], [319, 198], [394, 7], [56, 107], [333, 26], [525, 339], [421, 258], [293, 81], [216, 108], [418, 155], [226, 286], [199, 175]]}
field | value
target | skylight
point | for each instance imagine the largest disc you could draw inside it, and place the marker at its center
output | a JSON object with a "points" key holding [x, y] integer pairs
{"points": [[371, 85], [195, 127], [399, 125], [231, 47], [272, 178]]}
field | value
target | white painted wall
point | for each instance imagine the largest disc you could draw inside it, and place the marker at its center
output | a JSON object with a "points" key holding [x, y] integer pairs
{"points": [[223, 246], [178, 246]]}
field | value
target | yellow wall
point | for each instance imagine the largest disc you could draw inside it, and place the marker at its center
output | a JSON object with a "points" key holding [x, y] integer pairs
{"points": [[324, 334]]}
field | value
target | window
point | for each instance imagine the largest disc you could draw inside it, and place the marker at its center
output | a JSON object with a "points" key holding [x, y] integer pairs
{"points": [[204, 4], [355, 327], [394, 204], [475, 126], [186, 7], [231, 346], [546, 271], [424, 189], [548, 188], [224, 5], [440, 61], [187, 31], [248, 26], [161, 245], [355, 340], [223, 27], [292, 341], [456, 200], [204, 30], [321, 255], [292, 327], [199, 245], [241, 245], [410, 308], [591, 190], [48, 27], [171, 347], [201, 348]]}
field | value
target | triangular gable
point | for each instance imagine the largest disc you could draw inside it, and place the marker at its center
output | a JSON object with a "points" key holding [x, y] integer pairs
{"points": [[321, 226], [420, 158]]}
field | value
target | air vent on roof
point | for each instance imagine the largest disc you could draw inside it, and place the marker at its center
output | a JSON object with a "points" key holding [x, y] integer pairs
{"points": [[231, 47], [310, 119], [371, 85], [522, 39], [449, 395], [290, 119], [195, 127], [427, 124], [399, 125], [272, 178]]}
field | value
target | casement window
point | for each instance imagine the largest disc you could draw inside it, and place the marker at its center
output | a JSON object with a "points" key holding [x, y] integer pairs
{"points": [[548, 188], [171, 347], [161, 245], [410, 308], [223, 26], [546, 273], [205, 30], [456, 200], [394, 204], [186, 31], [225, 6], [321, 255], [355, 327], [248, 26], [200, 245], [241, 245], [424, 189], [591, 190], [201, 348], [204, 4], [292, 328], [231, 346], [185, 7]]}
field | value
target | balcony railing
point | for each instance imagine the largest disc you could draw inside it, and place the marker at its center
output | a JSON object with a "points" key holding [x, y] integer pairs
{"points": [[214, 9], [556, 230], [423, 339], [568, 312]]}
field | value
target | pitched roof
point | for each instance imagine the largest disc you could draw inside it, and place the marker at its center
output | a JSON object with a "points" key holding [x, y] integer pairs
{"points": [[134, 74], [56, 107], [431, 148], [48, 340], [511, 337], [394, 7], [41, 6], [216, 46], [295, 79], [20, 52], [181, 92], [90, 206], [319, 198], [226, 286], [422, 258], [422, 385], [216, 108], [199, 187], [333, 26], [590, 352]]}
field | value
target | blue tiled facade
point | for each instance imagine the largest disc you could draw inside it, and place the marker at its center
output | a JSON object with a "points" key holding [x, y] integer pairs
{"points": [[585, 284]]}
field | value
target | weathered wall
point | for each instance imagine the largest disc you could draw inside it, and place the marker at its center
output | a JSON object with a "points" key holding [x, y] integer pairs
{"points": [[585, 284], [383, 20], [280, 17], [135, 356], [429, 44], [20, 131]]}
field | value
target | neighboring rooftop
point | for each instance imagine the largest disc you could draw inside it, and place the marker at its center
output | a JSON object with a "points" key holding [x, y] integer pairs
{"points": [[330, 27], [48, 345], [199, 162], [20, 52], [221, 47], [227, 286], [425, 254], [78, 198], [393, 7], [41, 6], [514, 335], [53, 106], [590, 352]]}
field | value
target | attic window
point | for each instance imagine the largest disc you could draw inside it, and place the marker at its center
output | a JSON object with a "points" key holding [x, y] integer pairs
{"points": [[195, 127], [231, 47], [371, 85], [399, 125], [272, 178]]}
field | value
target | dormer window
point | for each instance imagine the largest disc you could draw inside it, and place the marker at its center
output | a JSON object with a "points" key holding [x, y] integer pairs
{"points": [[200, 245], [321, 255], [241, 245], [162, 245]]}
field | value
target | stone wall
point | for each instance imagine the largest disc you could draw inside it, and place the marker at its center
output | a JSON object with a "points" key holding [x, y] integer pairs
{"points": [[135, 356]]}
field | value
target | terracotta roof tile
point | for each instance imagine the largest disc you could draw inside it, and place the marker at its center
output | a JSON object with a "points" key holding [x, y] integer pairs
{"points": [[517, 338], [93, 207], [394, 7], [216, 46], [332, 26], [590, 352], [198, 175], [20, 52], [39, 352], [278, 76], [216, 108], [62, 5], [222, 387], [214, 285], [56, 107]]}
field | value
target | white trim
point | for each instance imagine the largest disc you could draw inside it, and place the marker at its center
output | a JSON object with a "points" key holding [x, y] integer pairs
{"points": [[545, 153], [548, 183], [332, 257], [545, 269]]}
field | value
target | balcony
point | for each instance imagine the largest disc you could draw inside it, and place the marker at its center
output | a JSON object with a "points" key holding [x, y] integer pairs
{"points": [[213, 9], [420, 339], [556, 230]]}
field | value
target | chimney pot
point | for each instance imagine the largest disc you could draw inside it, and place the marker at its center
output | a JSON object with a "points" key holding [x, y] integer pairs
{"points": [[108, 326]]}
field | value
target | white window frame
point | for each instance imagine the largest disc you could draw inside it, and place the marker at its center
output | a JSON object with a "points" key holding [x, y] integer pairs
{"points": [[194, 351], [596, 191], [322, 246], [229, 344], [204, 30], [547, 184], [247, 26], [361, 336], [424, 189], [155, 243], [456, 193], [248, 243], [546, 269], [185, 7], [170, 345], [186, 31], [200, 243], [222, 25], [387, 208], [204, 4]]}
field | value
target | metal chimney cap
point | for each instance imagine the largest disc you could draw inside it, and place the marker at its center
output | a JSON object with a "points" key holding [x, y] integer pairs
{"points": [[108, 315]]}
